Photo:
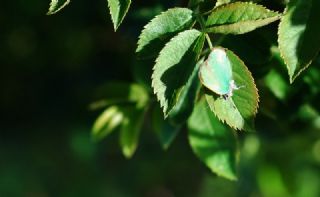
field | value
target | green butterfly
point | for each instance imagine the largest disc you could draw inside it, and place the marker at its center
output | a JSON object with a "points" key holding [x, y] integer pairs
{"points": [[216, 73]]}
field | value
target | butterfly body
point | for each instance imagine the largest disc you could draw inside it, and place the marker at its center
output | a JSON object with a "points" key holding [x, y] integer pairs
{"points": [[216, 73]]}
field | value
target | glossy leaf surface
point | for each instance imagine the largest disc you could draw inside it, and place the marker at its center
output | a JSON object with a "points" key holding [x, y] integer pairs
{"points": [[239, 18]]}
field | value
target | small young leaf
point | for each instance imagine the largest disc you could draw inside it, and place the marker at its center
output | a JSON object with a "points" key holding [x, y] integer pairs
{"points": [[57, 5], [212, 142], [160, 29], [165, 131], [174, 66], [239, 110], [118, 10], [107, 122], [299, 31], [239, 18], [130, 130]]}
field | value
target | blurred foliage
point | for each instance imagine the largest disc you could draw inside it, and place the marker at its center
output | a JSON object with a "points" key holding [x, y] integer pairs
{"points": [[52, 68]]}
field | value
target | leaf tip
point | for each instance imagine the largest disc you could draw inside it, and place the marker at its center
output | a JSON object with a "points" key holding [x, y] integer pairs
{"points": [[127, 152], [56, 7]]}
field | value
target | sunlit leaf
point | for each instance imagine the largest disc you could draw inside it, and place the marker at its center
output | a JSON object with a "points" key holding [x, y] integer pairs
{"points": [[221, 2], [299, 31], [239, 18], [107, 122], [238, 110], [212, 142], [174, 67], [57, 5], [118, 10], [160, 29], [186, 97]]}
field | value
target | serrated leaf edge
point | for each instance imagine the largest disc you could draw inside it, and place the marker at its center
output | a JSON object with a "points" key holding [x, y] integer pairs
{"points": [[151, 22], [285, 59], [115, 26], [162, 102], [257, 98], [211, 29], [52, 6], [242, 3]]}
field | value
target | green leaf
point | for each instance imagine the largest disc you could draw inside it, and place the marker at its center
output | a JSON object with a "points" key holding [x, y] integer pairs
{"points": [[118, 10], [165, 131], [130, 130], [299, 31], [187, 96], [212, 142], [160, 29], [239, 18], [239, 110], [107, 122], [275, 79], [277, 85], [120, 93], [174, 66], [57, 5]]}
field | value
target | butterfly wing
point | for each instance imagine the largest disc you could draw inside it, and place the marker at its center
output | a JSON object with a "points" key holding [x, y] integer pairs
{"points": [[216, 73]]}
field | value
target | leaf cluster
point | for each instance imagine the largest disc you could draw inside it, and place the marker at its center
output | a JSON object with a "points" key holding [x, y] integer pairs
{"points": [[178, 41]]}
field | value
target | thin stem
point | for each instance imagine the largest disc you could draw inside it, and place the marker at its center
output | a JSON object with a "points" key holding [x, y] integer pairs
{"points": [[209, 41], [202, 24]]}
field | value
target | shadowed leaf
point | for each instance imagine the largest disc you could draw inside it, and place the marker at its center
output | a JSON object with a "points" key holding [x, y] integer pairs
{"points": [[130, 130], [212, 142], [299, 31], [118, 10], [174, 67]]}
